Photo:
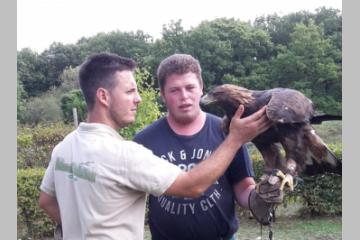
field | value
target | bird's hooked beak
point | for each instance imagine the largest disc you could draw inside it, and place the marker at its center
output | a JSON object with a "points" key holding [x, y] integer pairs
{"points": [[206, 100], [209, 103]]}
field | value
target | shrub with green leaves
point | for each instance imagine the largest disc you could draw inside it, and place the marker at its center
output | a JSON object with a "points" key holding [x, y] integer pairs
{"points": [[41, 109], [320, 194], [33, 223], [35, 144]]}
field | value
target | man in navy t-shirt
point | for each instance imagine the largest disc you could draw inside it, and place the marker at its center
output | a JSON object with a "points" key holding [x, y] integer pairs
{"points": [[185, 137]]}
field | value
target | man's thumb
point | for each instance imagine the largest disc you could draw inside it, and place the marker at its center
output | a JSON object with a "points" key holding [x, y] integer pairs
{"points": [[239, 112]]}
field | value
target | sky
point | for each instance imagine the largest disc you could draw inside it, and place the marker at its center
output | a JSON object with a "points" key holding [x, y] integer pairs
{"points": [[42, 22]]}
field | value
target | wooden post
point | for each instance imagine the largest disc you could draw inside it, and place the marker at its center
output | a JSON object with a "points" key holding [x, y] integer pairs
{"points": [[75, 117]]}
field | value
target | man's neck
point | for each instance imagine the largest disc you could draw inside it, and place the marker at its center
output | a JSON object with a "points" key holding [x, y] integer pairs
{"points": [[188, 128], [97, 117]]}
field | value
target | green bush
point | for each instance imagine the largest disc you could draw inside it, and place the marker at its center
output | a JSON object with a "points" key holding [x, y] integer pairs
{"points": [[42, 109], [320, 194], [33, 223], [35, 144]]}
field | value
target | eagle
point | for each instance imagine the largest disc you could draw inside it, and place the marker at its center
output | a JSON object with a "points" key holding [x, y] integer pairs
{"points": [[292, 114]]}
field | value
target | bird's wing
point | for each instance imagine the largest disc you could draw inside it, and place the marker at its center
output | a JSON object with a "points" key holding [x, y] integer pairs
{"points": [[289, 106]]}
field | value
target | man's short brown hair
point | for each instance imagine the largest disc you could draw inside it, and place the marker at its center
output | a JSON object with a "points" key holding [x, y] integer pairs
{"points": [[178, 64]]}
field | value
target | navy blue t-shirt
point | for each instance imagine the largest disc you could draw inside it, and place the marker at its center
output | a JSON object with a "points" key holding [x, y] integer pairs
{"points": [[211, 216]]}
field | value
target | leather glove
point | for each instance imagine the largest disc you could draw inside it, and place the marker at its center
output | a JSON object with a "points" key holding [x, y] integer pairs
{"points": [[264, 198]]}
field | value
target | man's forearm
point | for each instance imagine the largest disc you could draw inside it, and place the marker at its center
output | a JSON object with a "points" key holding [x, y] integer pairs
{"points": [[210, 170], [242, 191], [50, 205], [54, 214], [199, 178]]}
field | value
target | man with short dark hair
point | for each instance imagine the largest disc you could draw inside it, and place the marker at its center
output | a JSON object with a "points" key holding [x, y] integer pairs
{"points": [[96, 182]]}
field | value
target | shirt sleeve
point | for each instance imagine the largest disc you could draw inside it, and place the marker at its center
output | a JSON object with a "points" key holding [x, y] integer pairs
{"points": [[144, 171], [241, 167]]}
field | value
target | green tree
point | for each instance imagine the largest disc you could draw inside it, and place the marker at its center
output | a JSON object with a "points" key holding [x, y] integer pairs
{"points": [[41, 72], [172, 41], [30, 74], [280, 28], [308, 66], [73, 99], [58, 57], [69, 80], [20, 103], [127, 44], [229, 50]]}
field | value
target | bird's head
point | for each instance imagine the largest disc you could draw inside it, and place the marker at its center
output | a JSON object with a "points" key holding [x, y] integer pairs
{"points": [[227, 95], [214, 96], [225, 99]]}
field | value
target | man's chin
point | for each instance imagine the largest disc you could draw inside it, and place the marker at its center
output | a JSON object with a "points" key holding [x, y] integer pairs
{"points": [[185, 119], [127, 123]]}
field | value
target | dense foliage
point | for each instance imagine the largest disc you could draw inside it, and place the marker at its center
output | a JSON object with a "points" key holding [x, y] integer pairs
{"points": [[301, 50], [35, 144], [69, 101], [33, 223]]}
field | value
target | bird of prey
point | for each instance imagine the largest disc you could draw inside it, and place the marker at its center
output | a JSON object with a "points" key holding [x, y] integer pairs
{"points": [[292, 114]]}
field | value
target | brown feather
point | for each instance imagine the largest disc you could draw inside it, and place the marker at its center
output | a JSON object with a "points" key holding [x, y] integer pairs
{"points": [[292, 112]]}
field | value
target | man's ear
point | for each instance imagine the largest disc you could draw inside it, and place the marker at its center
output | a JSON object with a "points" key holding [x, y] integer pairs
{"points": [[162, 95], [103, 96], [202, 88]]}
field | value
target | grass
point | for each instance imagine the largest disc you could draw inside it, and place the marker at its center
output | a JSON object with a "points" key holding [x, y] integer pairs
{"points": [[329, 131], [288, 228]]}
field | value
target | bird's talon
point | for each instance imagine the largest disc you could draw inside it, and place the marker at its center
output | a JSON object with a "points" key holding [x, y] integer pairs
{"points": [[289, 181], [285, 179]]}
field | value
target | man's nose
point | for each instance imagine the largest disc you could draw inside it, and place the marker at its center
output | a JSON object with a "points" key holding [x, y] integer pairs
{"points": [[138, 98], [184, 93]]}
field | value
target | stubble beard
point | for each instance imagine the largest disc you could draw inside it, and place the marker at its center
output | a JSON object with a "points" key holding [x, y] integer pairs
{"points": [[184, 119], [117, 119]]}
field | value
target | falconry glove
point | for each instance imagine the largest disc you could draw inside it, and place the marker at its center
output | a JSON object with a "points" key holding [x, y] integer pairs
{"points": [[266, 195]]}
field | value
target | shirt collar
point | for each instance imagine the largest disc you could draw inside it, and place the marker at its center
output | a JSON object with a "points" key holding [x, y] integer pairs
{"points": [[90, 127]]}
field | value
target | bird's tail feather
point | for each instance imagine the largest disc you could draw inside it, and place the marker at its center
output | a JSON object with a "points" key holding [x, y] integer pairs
{"points": [[319, 118], [330, 157], [324, 160]]}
